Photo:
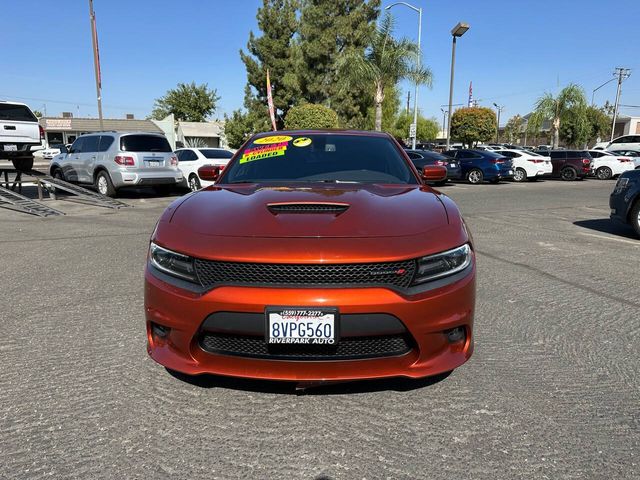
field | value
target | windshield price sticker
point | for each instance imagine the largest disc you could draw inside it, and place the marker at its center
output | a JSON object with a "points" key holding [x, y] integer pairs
{"points": [[272, 139], [312, 327], [263, 151]]}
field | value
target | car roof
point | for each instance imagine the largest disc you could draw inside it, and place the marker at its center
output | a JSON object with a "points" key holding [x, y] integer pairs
{"points": [[326, 131], [14, 103]]}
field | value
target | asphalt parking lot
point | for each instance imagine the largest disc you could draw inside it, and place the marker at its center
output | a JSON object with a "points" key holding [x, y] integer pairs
{"points": [[551, 391]]}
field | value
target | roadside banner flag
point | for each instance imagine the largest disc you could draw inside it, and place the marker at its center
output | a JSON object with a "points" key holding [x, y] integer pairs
{"points": [[272, 112], [470, 94]]}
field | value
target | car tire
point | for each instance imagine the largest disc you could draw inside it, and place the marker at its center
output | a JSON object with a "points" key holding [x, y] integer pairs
{"points": [[23, 164], [58, 174], [475, 176], [568, 174], [104, 185], [520, 175], [194, 183], [634, 217], [604, 173]]}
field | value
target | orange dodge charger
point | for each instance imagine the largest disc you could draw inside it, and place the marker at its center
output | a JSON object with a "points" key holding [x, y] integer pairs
{"points": [[316, 256]]}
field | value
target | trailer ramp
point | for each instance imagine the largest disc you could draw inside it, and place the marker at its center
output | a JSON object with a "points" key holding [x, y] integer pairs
{"points": [[15, 201]]}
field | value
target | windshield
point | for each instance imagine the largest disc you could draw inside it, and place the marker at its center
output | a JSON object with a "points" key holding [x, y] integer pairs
{"points": [[320, 157], [211, 153], [144, 143]]}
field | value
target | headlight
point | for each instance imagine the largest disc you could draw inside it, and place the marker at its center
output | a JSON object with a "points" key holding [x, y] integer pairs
{"points": [[443, 264], [173, 263]]}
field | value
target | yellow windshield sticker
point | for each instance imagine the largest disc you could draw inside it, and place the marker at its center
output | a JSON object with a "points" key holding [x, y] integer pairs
{"points": [[266, 151], [272, 139], [302, 142]]}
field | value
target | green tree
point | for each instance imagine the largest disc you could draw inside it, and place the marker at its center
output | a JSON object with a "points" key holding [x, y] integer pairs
{"points": [[473, 124], [427, 128], [599, 124], [390, 108], [274, 50], [310, 115], [328, 30], [575, 128], [570, 101], [513, 128], [240, 125], [188, 102], [386, 61], [38, 113]]}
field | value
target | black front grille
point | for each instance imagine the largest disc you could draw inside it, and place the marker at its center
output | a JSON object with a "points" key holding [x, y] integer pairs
{"points": [[348, 348], [334, 208], [398, 274]]}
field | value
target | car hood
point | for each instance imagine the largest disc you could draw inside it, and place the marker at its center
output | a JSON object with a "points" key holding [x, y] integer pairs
{"points": [[371, 211]]}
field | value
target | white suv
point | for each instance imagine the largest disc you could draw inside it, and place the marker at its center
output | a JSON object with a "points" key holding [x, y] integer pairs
{"points": [[20, 134], [626, 142], [114, 160]]}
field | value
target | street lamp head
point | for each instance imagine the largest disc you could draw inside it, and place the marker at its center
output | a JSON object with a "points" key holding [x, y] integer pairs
{"points": [[460, 29], [495, 105]]}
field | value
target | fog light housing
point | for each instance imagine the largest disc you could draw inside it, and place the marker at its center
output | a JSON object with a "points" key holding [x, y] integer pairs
{"points": [[456, 335], [159, 331]]}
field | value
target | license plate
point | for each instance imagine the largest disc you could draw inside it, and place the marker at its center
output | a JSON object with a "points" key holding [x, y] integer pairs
{"points": [[510, 172], [153, 163], [10, 148], [301, 325]]}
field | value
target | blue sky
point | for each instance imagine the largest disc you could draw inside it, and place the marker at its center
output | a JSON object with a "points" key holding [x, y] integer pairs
{"points": [[515, 51]]}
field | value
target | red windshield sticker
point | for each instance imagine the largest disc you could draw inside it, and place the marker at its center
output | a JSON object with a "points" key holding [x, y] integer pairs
{"points": [[260, 153]]}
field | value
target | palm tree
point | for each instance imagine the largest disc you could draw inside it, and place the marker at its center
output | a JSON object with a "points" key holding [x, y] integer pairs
{"points": [[384, 63], [570, 99]]}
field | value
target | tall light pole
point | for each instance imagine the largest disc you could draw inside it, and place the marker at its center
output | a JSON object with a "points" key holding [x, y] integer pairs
{"points": [[593, 92], [444, 119], [415, 94], [457, 31], [499, 109], [622, 74], [96, 60]]}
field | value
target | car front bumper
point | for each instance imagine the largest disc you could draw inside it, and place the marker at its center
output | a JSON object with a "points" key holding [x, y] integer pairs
{"points": [[427, 316]]}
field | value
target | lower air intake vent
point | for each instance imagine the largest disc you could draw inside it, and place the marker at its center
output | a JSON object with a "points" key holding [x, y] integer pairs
{"points": [[333, 208]]}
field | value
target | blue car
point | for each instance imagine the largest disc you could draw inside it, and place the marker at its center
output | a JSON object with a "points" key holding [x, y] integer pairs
{"points": [[625, 200], [482, 165], [420, 158]]}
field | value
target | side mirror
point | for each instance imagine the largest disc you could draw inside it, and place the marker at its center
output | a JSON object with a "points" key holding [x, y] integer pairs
{"points": [[434, 173], [210, 173]]}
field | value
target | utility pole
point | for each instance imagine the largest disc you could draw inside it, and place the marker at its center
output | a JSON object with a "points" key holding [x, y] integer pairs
{"points": [[622, 74], [408, 100], [499, 109], [96, 61]]}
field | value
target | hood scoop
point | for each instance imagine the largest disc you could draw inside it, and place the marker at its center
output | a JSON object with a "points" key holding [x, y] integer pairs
{"points": [[307, 207]]}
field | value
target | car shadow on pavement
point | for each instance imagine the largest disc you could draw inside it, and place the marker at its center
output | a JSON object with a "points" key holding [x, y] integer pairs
{"points": [[606, 225], [308, 388]]}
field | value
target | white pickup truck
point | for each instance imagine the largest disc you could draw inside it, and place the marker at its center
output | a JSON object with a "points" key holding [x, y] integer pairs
{"points": [[20, 134]]}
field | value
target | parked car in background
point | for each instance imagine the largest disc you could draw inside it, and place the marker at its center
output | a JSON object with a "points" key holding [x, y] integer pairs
{"points": [[420, 158], [570, 164], [626, 142], [528, 165], [633, 154], [191, 159], [491, 148], [114, 160], [51, 151], [607, 165], [544, 147], [625, 200], [480, 165], [20, 134]]}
